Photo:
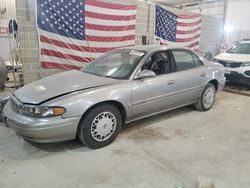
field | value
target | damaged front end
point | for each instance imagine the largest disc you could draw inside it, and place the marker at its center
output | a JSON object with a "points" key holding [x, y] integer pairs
{"points": [[3, 102]]}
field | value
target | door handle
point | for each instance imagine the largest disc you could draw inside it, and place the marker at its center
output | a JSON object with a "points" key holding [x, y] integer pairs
{"points": [[203, 74], [170, 82]]}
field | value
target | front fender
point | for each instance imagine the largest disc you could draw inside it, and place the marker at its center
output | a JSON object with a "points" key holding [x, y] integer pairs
{"points": [[77, 103]]}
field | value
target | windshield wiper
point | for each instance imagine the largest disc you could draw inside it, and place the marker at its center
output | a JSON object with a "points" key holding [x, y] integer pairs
{"points": [[108, 76]]}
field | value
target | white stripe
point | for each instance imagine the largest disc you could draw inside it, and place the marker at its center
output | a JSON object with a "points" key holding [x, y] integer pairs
{"points": [[109, 22], [180, 44], [181, 36], [108, 11], [189, 20], [85, 43], [109, 33], [61, 61], [188, 28], [69, 51]]}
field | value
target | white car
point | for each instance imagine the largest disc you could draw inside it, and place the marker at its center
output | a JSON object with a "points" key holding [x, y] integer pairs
{"points": [[236, 61]]}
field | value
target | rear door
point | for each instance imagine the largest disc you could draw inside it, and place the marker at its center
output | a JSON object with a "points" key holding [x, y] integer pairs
{"points": [[189, 75]]}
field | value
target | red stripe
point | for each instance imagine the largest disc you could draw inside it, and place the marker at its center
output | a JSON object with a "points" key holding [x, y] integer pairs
{"points": [[110, 5], [189, 16], [73, 46], [108, 17], [188, 24], [110, 39], [109, 28], [188, 31], [192, 45], [51, 65], [65, 56], [187, 39]]}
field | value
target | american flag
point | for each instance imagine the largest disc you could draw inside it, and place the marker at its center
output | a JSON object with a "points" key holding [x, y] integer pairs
{"points": [[73, 33], [177, 30]]}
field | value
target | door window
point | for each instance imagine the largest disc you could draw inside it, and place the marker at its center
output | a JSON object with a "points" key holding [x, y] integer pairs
{"points": [[197, 61], [183, 59], [158, 63]]}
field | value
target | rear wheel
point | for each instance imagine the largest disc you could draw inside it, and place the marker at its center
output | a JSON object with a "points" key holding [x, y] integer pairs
{"points": [[207, 98], [100, 126]]}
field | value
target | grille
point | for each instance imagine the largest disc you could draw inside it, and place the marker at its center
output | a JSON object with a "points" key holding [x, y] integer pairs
{"points": [[16, 105], [230, 64], [247, 73]]}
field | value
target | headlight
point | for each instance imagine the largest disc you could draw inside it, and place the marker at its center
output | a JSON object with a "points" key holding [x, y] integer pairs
{"points": [[246, 64], [3, 101], [215, 60], [41, 111]]}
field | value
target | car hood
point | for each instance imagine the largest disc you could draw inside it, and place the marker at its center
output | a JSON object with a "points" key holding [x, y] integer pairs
{"points": [[233, 57], [60, 84]]}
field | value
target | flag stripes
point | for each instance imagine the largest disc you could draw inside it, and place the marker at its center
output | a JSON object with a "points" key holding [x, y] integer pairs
{"points": [[106, 26]]}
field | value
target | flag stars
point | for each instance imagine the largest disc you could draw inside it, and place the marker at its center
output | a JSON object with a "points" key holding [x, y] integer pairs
{"points": [[62, 17]]}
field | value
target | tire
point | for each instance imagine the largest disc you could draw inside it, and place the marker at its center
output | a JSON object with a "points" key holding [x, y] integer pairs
{"points": [[206, 101], [100, 126]]}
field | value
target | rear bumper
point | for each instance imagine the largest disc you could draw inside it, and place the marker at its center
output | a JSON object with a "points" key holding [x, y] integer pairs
{"points": [[42, 130], [238, 78]]}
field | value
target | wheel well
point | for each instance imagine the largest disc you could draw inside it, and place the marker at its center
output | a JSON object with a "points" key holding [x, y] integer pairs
{"points": [[215, 83], [116, 104]]}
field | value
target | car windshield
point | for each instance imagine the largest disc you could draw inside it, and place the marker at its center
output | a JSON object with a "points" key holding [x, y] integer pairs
{"points": [[241, 48], [118, 64]]}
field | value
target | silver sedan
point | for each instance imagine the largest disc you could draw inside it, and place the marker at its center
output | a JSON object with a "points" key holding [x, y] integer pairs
{"points": [[121, 86]]}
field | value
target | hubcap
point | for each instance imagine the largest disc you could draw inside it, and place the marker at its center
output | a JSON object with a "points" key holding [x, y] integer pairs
{"points": [[208, 98], [103, 126]]}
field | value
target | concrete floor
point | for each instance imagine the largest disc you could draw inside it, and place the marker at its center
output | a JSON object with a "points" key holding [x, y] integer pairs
{"points": [[163, 151]]}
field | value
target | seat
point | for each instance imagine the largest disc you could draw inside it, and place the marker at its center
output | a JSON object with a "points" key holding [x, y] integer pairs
{"points": [[159, 66]]}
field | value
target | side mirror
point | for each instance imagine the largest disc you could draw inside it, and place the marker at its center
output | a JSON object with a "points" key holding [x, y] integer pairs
{"points": [[146, 74]]}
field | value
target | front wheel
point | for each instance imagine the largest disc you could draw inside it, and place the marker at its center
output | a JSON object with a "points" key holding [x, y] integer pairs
{"points": [[100, 126], [206, 101]]}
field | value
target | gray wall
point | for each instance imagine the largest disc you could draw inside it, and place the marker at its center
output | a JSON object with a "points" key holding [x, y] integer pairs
{"points": [[211, 33], [29, 38]]}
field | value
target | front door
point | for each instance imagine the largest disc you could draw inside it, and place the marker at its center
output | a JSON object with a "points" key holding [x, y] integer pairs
{"points": [[152, 95]]}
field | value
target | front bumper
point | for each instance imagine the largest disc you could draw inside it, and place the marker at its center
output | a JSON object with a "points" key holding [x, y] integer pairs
{"points": [[42, 130], [238, 78]]}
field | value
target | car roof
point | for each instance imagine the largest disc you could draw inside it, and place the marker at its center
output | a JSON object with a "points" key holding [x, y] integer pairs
{"points": [[152, 48]]}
